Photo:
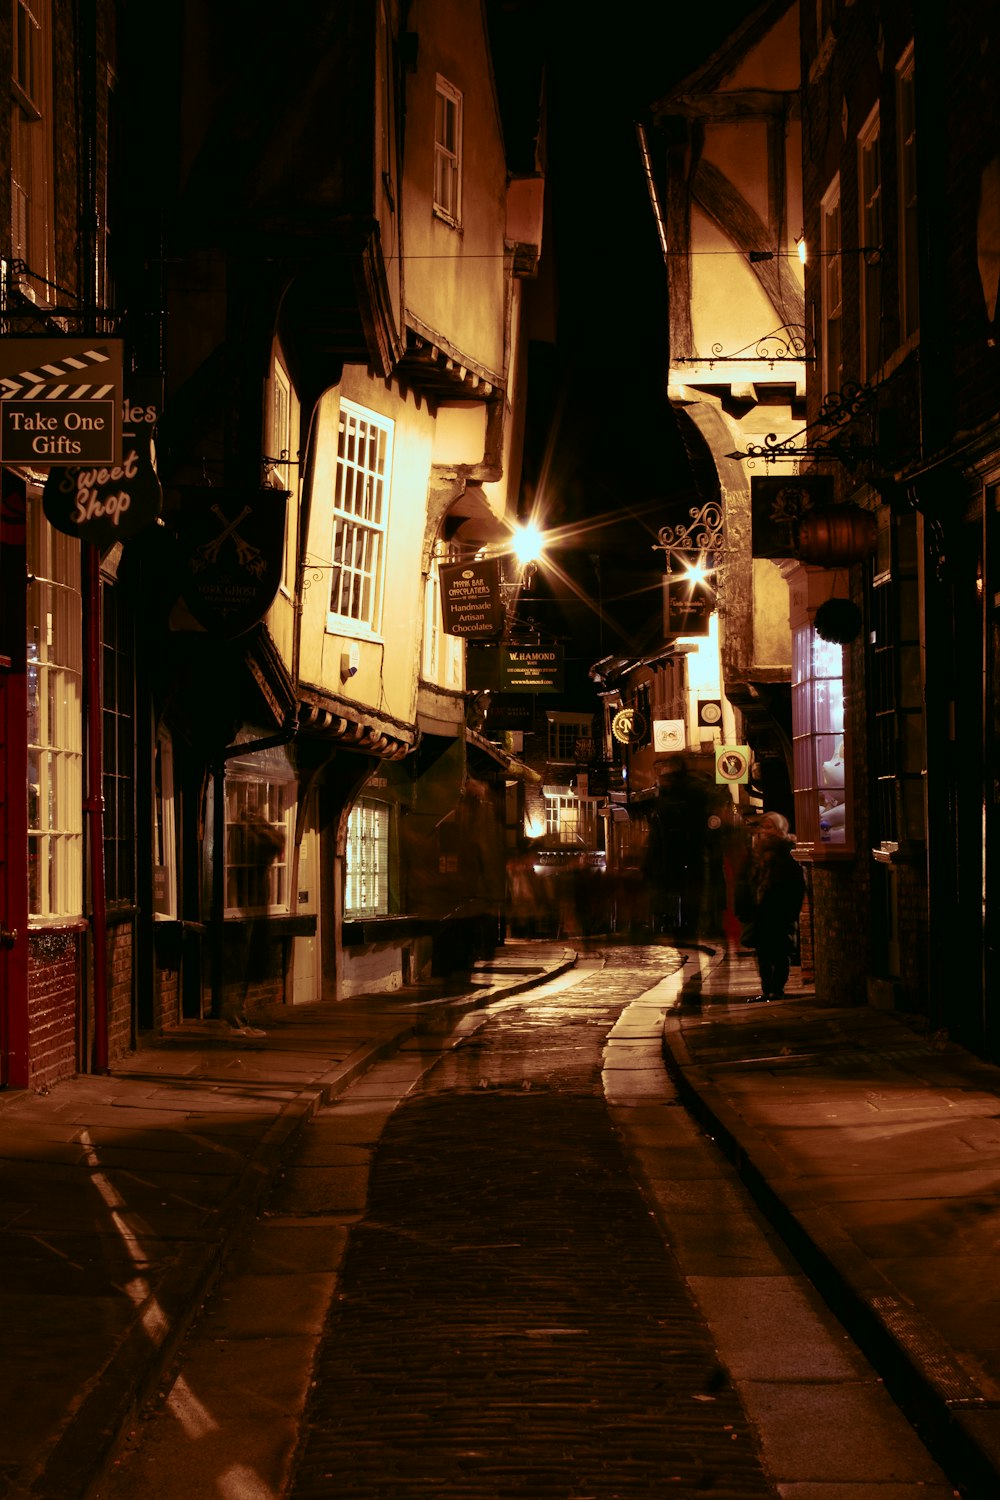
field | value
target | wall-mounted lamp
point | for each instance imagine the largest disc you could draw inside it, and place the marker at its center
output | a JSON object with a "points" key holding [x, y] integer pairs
{"points": [[800, 245], [527, 543]]}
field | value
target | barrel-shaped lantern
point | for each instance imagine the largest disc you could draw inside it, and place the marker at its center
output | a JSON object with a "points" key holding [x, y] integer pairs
{"points": [[834, 536]]}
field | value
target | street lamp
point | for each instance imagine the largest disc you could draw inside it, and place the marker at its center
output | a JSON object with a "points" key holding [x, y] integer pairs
{"points": [[527, 544]]}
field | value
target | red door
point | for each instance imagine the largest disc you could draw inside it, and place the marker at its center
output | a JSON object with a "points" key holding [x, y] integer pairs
{"points": [[13, 782]]}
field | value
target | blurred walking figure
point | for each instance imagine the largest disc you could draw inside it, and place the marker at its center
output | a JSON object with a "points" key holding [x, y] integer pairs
{"points": [[254, 845], [769, 903], [674, 868]]}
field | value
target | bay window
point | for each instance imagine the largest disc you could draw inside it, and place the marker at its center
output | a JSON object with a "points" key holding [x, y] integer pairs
{"points": [[821, 806]]}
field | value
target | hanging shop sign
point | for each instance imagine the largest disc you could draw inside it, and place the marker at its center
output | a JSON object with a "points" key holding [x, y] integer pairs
{"points": [[107, 503], [687, 606], [471, 602], [514, 669], [777, 507], [232, 543], [668, 734], [629, 727], [60, 401], [710, 712], [732, 764]]}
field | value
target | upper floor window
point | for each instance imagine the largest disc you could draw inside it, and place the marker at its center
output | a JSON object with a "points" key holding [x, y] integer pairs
{"points": [[818, 732], [279, 451], [448, 152], [565, 733], [832, 288], [870, 229], [360, 515], [31, 211], [55, 722], [906, 127]]}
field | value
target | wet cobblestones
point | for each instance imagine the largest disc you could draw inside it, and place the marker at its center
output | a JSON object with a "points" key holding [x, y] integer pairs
{"points": [[508, 1320]]}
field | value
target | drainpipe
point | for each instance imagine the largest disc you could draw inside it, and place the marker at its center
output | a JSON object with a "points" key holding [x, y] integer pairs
{"points": [[94, 806]]}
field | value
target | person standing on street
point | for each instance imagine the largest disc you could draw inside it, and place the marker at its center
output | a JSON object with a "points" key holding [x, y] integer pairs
{"points": [[772, 899]]}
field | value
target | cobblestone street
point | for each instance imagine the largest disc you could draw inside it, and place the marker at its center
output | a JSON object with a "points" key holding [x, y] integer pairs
{"points": [[508, 1320]]}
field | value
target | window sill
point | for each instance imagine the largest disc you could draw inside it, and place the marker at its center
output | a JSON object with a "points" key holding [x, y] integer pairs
{"points": [[823, 854], [275, 926]]}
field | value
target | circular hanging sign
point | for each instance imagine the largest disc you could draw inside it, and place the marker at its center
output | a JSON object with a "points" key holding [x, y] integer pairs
{"points": [[629, 726], [732, 763]]}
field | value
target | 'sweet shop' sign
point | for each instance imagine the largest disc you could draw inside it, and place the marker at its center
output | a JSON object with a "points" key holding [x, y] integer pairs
{"points": [[105, 503]]}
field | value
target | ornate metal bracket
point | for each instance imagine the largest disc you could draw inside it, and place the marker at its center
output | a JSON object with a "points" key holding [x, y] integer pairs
{"points": [[706, 533], [838, 410], [787, 342]]}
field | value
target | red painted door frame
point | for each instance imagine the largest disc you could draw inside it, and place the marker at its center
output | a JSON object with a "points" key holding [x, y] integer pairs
{"points": [[14, 1050]]}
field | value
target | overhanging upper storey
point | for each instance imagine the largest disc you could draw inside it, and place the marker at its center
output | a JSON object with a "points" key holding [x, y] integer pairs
{"points": [[434, 367]]}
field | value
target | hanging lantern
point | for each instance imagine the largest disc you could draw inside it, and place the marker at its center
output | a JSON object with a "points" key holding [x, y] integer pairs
{"points": [[837, 535]]}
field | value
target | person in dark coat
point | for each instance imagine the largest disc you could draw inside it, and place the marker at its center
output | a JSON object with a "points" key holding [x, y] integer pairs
{"points": [[774, 893]]}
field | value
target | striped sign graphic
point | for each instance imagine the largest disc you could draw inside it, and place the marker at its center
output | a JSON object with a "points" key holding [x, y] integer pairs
{"points": [[61, 401], [60, 380]]}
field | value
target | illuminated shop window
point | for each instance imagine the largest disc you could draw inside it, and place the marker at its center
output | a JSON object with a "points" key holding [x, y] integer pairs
{"points": [[821, 807], [118, 703], [569, 820], [367, 887], [259, 834], [55, 722]]}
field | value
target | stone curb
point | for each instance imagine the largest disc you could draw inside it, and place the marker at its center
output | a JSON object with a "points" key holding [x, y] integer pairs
{"points": [[959, 1424]]}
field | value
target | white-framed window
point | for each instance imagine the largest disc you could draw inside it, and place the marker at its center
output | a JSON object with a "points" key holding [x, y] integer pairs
{"points": [[906, 147], [164, 830], [871, 249], [565, 730], [444, 655], [448, 151], [279, 451], [366, 889], [570, 819], [31, 137], [259, 838], [832, 288], [118, 709], [55, 721], [822, 811], [360, 517]]}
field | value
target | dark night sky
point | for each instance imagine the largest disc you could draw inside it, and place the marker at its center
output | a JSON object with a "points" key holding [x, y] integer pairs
{"points": [[602, 441]]}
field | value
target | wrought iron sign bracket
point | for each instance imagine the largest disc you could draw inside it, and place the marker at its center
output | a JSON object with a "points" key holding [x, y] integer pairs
{"points": [[706, 533], [838, 410], [785, 343]]}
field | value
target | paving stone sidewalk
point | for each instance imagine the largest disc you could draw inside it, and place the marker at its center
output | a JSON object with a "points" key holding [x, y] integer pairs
{"points": [[875, 1149], [120, 1196]]}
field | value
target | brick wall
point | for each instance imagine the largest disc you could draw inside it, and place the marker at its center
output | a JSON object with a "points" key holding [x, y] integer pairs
{"points": [[54, 964], [120, 942]]}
